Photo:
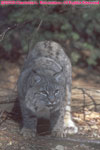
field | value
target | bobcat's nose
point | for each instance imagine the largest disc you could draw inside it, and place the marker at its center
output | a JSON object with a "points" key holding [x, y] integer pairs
{"points": [[51, 100]]}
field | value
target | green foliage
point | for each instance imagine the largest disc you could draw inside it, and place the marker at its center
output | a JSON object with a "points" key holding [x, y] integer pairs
{"points": [[60, 23], [75, 57], [65, 27], [75, 36]]}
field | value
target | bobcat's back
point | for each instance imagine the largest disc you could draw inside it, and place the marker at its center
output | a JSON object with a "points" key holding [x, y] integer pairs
{"points": [[48, 54]]}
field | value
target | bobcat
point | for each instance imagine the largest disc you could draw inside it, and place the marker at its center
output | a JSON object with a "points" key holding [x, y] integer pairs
{"points": [[44, 89]]}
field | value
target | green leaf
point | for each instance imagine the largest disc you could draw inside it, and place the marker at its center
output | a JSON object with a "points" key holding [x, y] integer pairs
{"points": [[75, 56], [75, 36], [66, 26]]}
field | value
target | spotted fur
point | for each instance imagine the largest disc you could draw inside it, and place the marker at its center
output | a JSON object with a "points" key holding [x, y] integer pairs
{"points": [[44, 89]]}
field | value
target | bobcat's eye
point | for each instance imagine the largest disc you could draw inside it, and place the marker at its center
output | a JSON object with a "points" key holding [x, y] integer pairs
{"points": [[44, 93], [56, 92]]}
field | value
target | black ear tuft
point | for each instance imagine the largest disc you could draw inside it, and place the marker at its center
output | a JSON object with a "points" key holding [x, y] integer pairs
{"points": [[37, 78]]}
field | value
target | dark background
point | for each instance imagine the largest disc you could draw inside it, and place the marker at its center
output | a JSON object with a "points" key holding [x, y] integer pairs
{"points": [[77, 28]]}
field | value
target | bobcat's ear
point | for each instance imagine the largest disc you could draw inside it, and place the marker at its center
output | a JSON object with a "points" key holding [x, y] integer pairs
{"points": [[37, 77], [58, 76]]}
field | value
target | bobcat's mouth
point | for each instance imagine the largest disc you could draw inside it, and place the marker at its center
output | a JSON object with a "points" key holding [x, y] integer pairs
{"points": [[50, 106]]}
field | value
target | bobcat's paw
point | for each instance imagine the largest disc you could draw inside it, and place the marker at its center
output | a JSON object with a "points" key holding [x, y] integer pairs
{"points": [[58, 134], [27, 133], [70, 127]]}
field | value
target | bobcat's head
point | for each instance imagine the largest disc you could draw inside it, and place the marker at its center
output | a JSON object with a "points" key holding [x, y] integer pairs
{"points": [[45, 92]]}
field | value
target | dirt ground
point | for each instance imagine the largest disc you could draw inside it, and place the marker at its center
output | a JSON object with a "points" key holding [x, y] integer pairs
{"points": [[10, 138]]}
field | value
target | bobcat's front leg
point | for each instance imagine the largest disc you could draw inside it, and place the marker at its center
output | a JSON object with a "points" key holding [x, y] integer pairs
{"points": [[63, 125], [29, 123], [69, 125], [57, 124], [62, 122]]}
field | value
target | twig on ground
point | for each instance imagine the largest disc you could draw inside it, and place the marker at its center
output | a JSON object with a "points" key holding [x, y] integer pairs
{"points": [[84, 91]]}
